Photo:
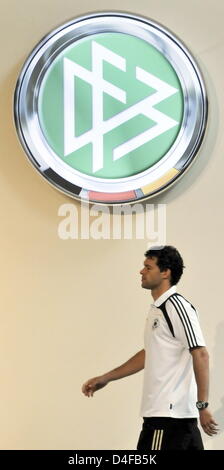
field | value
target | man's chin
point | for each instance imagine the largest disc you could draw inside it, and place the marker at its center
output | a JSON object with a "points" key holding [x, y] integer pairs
{"points": [[145, 286]]}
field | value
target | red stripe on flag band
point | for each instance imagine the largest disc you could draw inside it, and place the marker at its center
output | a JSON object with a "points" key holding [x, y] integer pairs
{"points": [[98, 196]]}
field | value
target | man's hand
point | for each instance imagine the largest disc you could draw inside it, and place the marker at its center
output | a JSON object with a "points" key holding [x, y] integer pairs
{"points": [[207, 422], [133, 365], [94, 384]]}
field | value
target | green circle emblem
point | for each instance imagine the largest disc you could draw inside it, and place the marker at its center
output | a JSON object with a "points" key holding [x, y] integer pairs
{"points": [[111, 108], [110, 105]]}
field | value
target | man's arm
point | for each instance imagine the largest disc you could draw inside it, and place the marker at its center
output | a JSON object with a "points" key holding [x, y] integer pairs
{"points": [[133, 365], [201, 370]]}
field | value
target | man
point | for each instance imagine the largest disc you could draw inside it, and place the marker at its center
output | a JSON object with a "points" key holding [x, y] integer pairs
{"points": [[175, 362]]}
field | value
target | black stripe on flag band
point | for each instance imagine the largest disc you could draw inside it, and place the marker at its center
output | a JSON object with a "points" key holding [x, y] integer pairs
{"points": [[183, 321], [188, 320], [60, 182]]}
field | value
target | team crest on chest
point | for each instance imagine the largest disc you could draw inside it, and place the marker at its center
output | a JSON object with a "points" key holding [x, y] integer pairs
{"points": [[155, 323]]}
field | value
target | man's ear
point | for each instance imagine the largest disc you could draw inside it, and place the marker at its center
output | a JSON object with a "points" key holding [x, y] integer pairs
{"points": [[167, 274]]}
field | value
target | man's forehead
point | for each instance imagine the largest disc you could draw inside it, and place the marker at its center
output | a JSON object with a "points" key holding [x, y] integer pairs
{"points": [[150, 261]]}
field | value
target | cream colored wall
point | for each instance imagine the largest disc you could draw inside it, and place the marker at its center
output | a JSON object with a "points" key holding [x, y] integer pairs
{"points": [[74, 309]]}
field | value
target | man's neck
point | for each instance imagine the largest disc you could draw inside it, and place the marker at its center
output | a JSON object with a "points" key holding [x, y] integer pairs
{"points": [[158, 291]]}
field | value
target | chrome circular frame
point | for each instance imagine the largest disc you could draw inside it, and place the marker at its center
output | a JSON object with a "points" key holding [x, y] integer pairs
{"points": [[124, 190]]}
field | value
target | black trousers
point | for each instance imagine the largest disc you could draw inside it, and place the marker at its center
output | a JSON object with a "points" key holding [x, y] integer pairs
{"points": [[169, 434]]}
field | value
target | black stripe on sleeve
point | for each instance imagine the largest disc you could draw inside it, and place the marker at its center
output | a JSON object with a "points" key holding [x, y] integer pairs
{"points": [[188, 320], [180, 295], [188, 333]]}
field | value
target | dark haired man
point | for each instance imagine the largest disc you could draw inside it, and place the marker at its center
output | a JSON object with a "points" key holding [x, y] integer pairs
{"points": [[175, 362]]}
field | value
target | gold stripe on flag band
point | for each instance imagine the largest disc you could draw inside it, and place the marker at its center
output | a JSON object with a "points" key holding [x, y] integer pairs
{"points": [[153, 441], [161, 439], [169, 175]]}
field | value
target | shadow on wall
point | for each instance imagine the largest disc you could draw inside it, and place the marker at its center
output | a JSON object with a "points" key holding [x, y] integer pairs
{"points": [[217, 389]]}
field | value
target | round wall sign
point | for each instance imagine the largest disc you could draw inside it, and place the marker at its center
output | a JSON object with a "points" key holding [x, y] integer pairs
{"points": [[110, 108]]}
